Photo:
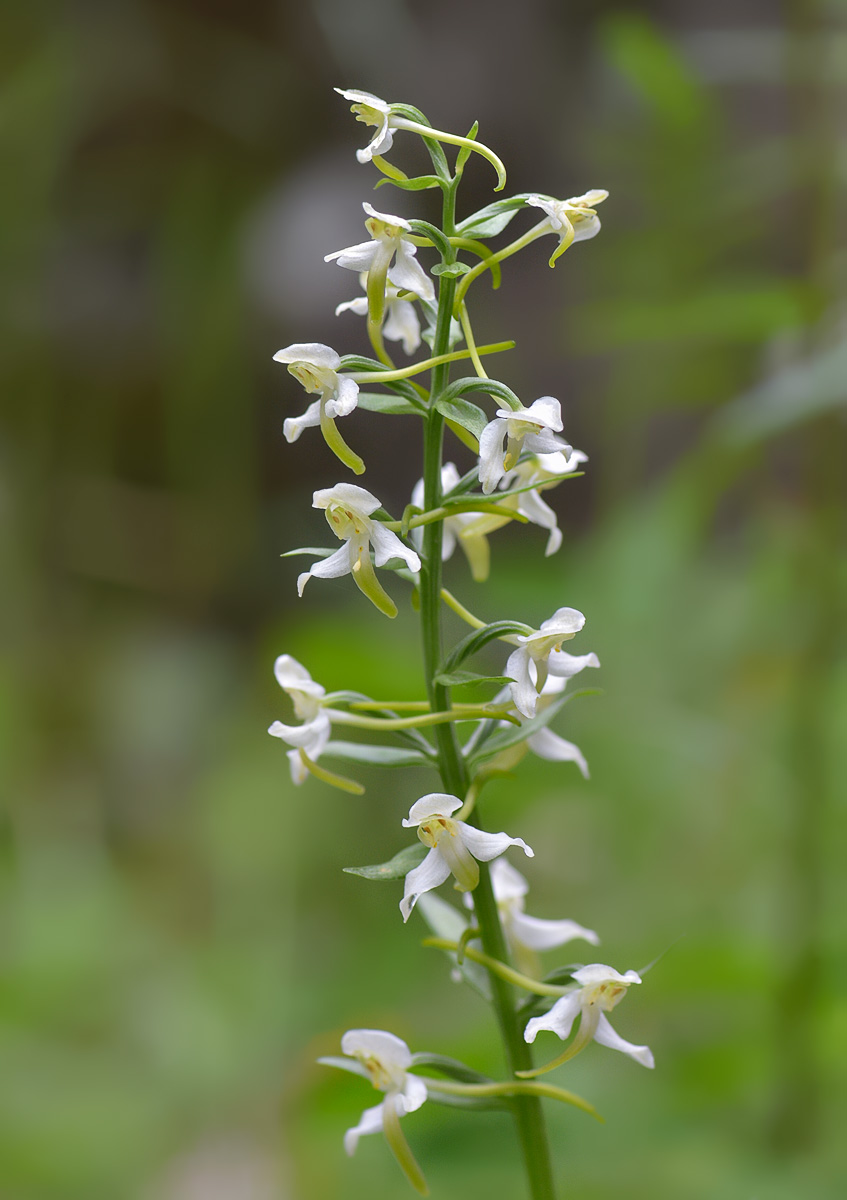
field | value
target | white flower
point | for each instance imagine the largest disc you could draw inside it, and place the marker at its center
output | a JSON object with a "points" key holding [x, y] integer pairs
{"points": [[401, 322], [600, 989], [387, 242], [455, 848], [530, 429], [383, 1059], [526, 935], [348, 512], [540, 470], [370, 110], [459, 529], [573, 220], [315, 366], [540, 654], [312, 736]]}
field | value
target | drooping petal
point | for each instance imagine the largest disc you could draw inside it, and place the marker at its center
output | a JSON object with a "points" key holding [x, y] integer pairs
{"points": [[311, 736], [546, 410], [299, 774], [547, 744], [539, 934], [564, 665], [345, 398], [294, 426], [508, 883], [414, 1093], [491, 456], [387, 545], [531, 506], [402, 325], [524, 695], [338, 564], [356, 258], [485, 846], [432, 872], [369, 1122], [359, 306], [606, 1036], [408, 274], [545, 442], [433, 804], [558, 1020]]}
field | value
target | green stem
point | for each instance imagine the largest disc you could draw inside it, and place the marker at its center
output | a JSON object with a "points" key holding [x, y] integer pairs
{"points": [[526, 1109]]}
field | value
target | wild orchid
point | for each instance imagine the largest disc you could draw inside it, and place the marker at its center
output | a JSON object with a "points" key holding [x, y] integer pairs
{"points": [[410, 269]]}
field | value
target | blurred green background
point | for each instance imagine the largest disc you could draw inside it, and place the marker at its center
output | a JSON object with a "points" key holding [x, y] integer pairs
{"points": [[177, 940]]}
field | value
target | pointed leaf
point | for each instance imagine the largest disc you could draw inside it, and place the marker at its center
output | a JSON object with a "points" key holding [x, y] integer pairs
{"points": [[451, 1067], [393, 405], [460, 678], [396, 868], [462, 412], [379, 756]]}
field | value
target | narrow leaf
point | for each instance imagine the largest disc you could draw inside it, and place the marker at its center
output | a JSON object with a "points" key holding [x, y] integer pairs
{"points": [[379, 756], [460, 678], [392, 405], [396, 868]]}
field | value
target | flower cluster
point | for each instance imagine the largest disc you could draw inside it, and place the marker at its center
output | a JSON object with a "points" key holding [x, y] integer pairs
{"points": [[520, 452]]}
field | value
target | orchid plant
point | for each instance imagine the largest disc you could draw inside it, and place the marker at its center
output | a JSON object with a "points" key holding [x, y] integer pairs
{"points": [[521, 451]]}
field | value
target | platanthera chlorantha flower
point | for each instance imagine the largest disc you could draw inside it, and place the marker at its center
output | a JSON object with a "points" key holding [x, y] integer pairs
{"points": [[460, 529], [540, 653], [533, 429], [527, 935], [315, 366], [348, 512], [455, 848], [370, 110], [572, 220], [312, 736], [598, 990], [388, 241], [401, 319], [385, 1060]]}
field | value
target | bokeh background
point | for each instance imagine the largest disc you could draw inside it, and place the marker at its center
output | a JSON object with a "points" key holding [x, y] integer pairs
{"points": [[177, 940]]}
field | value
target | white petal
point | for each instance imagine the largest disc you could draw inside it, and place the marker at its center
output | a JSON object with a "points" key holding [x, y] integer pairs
{"points": [[524, 695], [538, 934], [299, 774], [369, 1122], [389, 1049], [289, 673], [507, 882], [387, 545], [545, 442], [433, 804], [564, 620], [565, 665], [388, 218], [485, 846], [547, 744], [294, 426], [315, 353], [413, 1094], [345, 398], [547, 411], [311, 736], [355, 258], [548, 208], [596, 973], [350, 495], [606, 1036], [558, 1020], [338, 564], [409, 275], [491, 456], [359, 306], [402, 325], [586, 227], [430, 874], [356, 96]]}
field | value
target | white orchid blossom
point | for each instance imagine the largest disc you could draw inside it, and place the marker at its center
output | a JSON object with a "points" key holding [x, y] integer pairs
{"points": [[533, 429], [458, 530], [455, 848], [315, 366], [384, 1059], [348, 511], [401, 321], [599, 989], [527, 935], [312, 736], [572, 220], [388, 241], [370, 110], [540, 653]]}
